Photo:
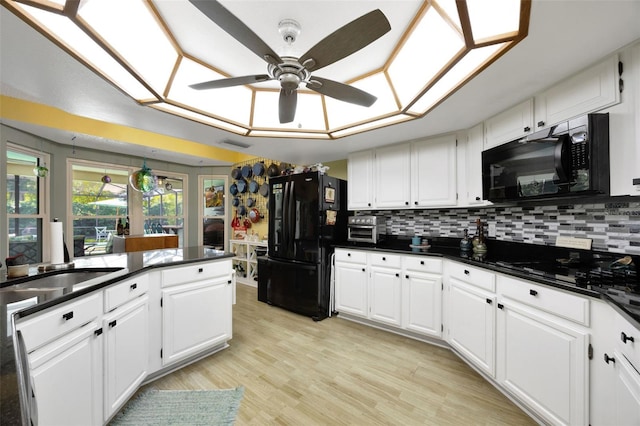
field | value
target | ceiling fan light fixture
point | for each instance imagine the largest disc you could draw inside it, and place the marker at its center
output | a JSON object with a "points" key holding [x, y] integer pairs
{"points": [[289, 29]]}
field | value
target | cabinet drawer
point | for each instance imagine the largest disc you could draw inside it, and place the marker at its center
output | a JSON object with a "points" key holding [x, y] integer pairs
{"points": [[474, 276], [565, 305], [60, 320], [121, 293], [385, 260], [195, 272], [628, 340], [423, 264], [351, 256]]}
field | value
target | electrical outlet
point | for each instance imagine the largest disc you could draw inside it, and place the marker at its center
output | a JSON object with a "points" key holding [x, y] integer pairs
{"points": [[491, 229]]}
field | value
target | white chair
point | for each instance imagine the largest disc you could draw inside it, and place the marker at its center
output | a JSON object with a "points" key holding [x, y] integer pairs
{"points": [[101, 232]]}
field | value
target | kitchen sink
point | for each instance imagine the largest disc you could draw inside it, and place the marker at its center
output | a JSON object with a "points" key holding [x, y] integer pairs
{"points": [[57, 283]]}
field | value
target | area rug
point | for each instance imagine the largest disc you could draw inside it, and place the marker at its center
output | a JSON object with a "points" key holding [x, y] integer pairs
{"points": [[181, 407]]}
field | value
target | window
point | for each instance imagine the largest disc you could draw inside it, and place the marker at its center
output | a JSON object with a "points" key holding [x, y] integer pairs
{"points": [[212, 204], [163, 207], [25, 203], [99, 199]]}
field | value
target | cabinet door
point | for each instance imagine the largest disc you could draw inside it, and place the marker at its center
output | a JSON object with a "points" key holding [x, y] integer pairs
{"points": [[385, 298], [543, 362], [591, 90], [422, 303], [473, 161], [126, 352], [471, 324], [66, 379], [433, 172], [360, 180], [351, 289], [627, 391], [392, 176], [509, 125], [195, 317]]}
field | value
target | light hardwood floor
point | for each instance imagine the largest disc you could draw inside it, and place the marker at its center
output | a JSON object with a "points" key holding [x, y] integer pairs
{"points": [[336, 372]]}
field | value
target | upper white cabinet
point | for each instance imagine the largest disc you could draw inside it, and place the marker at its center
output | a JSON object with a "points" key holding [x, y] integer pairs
{"points": [[360, 180], [412, 175], [472, 192], [511, 124], [433, 172], [590, 90], [393, 176]]}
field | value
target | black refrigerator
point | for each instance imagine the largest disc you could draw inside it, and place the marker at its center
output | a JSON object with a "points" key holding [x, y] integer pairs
{"points": [[307, 217]]}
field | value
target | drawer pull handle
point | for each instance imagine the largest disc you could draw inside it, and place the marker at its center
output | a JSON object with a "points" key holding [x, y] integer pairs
{"points": [[489, 301], [113, 323], [533, 292], [625, 338], [608, 358], [200, 269], [362, 269], [384, 258], [348, 254], [422, 262], [466, 272], [500, 306], [397, 275], [406, 276], [67, 316], [133, 286], [229, 282], [98, 332]]}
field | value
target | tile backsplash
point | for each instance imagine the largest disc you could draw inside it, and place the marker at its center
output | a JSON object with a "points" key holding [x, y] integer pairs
{"points": [[613, 227]]}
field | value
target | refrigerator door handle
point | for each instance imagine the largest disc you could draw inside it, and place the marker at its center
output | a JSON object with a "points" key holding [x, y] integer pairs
{"points": [[285, 224], [292, 216]]}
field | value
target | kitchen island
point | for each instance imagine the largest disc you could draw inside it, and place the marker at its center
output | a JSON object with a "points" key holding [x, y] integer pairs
{"points": [[157, 292]]}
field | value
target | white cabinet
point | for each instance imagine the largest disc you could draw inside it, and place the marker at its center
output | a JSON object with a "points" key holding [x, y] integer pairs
{"points": [[542, 358], [393, 176], [360, 180], [401, 291], [351, 279], [385, 286], [471, 315], [422, 295], [511, 124], [473, 148], [66, 379], [619, 358], [246, 260], [590, 90], [433, 172], [126, 352], [196, 312], [411, 175]]}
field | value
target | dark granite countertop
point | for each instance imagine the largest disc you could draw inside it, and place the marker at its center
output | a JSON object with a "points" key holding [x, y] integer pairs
{"points": [[104, 270], [502, 255]]}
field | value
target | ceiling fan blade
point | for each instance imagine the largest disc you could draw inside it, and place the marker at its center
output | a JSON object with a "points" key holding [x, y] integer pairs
{"points": [[232, 81], [340, 91], [347, 40], [236, 29], [287, 105]]}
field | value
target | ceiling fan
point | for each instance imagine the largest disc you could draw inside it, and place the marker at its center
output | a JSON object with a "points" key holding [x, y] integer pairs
{"points": [[291, 71]]}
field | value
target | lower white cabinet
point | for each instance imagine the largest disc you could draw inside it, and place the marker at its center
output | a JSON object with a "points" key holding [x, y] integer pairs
{"points": [[66, 379], [543, 349], [126, 352], [385, 298], [471, 324], [195, 316], [87, 356], [401, 291], [626, 390]]}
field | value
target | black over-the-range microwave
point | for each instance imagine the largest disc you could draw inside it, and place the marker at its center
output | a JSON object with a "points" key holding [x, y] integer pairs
{"points": [[568, 159]]}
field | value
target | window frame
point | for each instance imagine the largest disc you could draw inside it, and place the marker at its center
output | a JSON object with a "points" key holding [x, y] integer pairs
{"points": [[185, 205], [44, 190]]}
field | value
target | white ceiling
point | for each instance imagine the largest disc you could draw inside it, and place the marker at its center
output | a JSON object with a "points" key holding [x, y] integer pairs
{"points": [[564, 37]]}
